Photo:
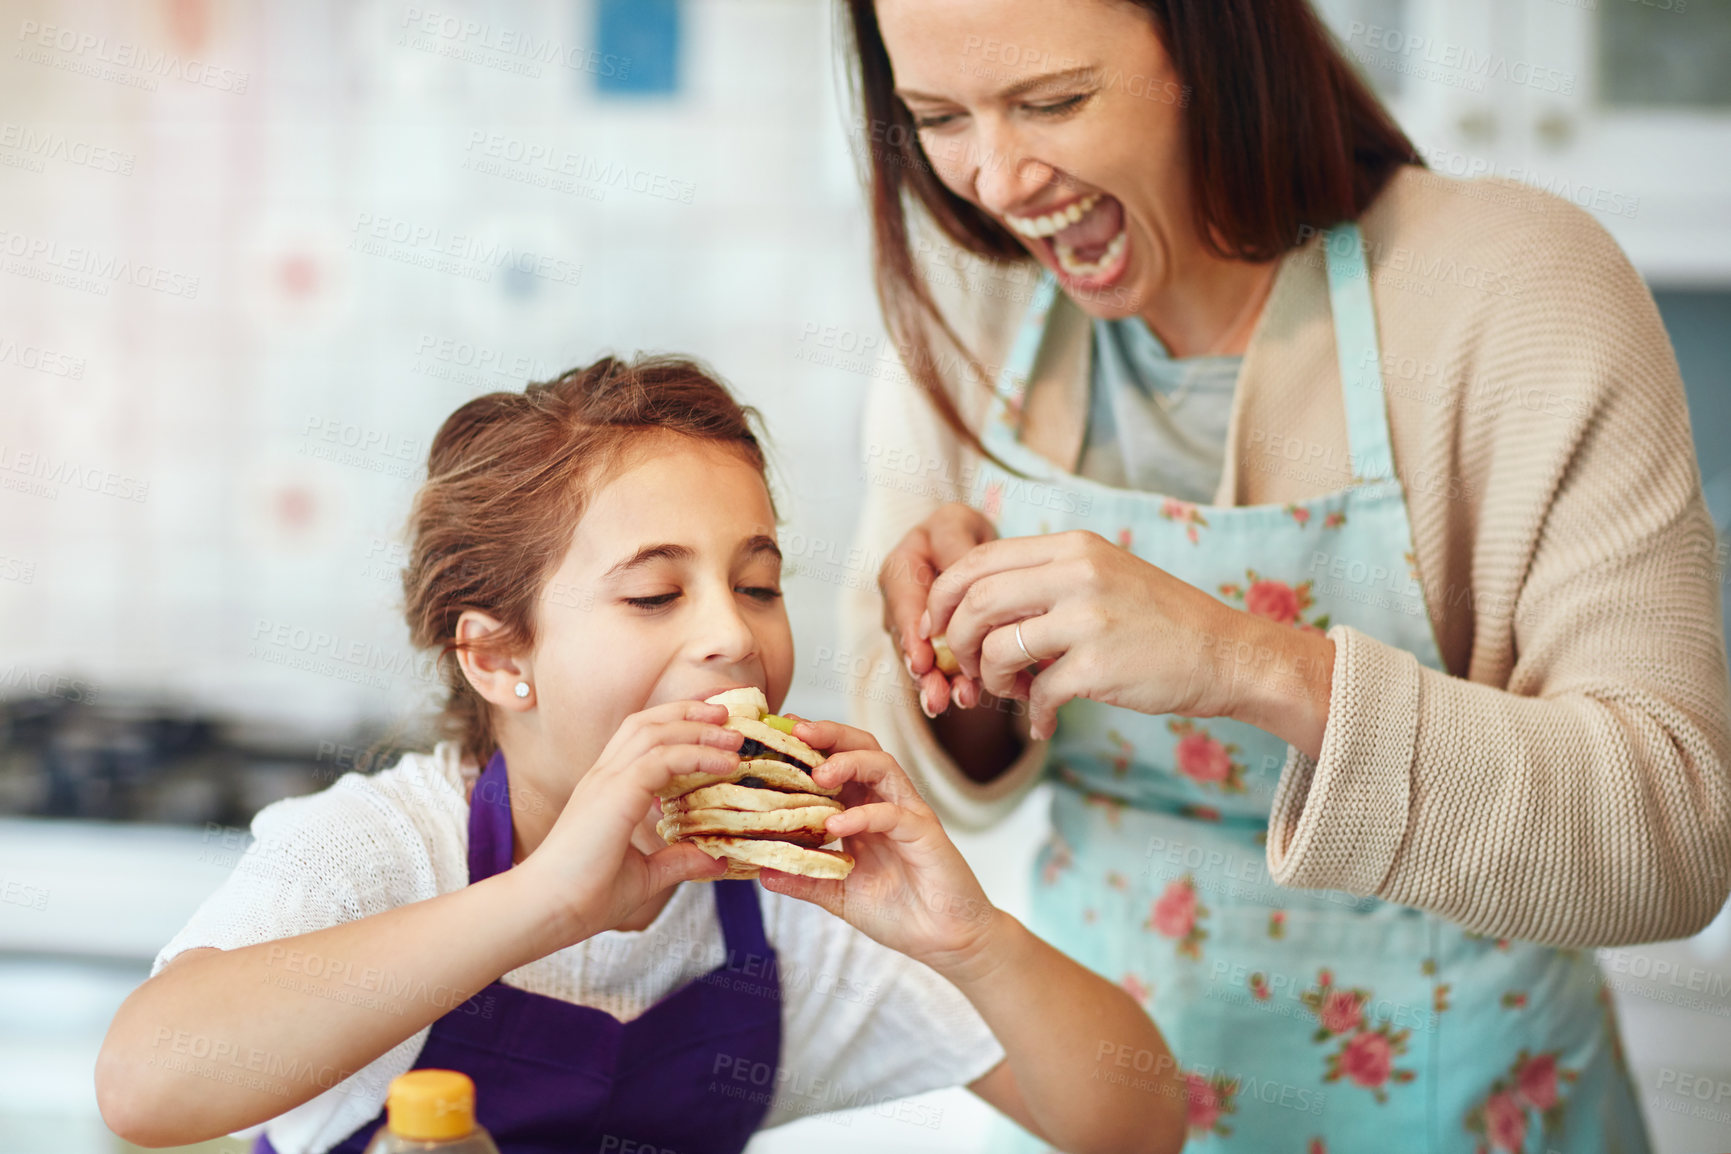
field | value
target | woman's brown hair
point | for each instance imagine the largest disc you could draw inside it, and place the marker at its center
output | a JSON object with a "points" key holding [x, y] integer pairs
{"points": [[1283, 135], [509, 476]]}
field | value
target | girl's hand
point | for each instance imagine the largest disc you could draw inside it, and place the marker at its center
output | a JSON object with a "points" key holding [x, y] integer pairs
{"points": [[910, 889], [587, 865], [1098, 621], [905, 578]]}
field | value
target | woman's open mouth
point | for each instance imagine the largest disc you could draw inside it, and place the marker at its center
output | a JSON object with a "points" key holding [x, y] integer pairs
{"points": [[1087, 239]]}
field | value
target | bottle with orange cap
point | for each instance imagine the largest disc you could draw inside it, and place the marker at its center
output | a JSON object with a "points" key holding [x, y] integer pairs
{"points": [[431, 1110]]}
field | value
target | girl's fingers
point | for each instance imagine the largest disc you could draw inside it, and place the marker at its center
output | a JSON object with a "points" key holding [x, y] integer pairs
{"points": [[661, 764], [681, 863], [677, 711], [833, 736], [874, 769], [638, 732], [667, 733], [877, 817], [827, 893], [627, 796]]}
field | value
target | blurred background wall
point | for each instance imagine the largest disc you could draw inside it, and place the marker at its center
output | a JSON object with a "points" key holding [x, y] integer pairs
{"points": [[252, 254], [391, 217]]}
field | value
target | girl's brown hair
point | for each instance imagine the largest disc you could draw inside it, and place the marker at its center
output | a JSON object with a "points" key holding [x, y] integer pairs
{"points": [[509, 476], [1283, 138]]}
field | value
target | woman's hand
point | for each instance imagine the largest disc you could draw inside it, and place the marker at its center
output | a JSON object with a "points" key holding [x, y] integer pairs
{"points": [[1100, 623], [587, 864], [905, 578], [910, 889]]}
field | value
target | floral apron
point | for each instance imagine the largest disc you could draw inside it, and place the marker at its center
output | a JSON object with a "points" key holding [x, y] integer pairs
{"points": [[1305, 1021]]}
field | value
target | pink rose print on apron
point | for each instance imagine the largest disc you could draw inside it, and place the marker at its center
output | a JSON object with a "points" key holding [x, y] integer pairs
{"points": [[1178, 915], [1275, 600], [1533, 1086], [1205, 760], [1366, 1056], [1209, 1101], [1187, 515]]}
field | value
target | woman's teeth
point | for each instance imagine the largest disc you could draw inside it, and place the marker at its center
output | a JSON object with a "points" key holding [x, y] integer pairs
{"points": [[1064, 226], [1085, 270], [1054, 222]]}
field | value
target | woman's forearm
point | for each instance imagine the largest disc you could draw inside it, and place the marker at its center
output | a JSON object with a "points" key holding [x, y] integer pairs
{"points": [[229, 1038], [1090, 1065], [1280, 678]]}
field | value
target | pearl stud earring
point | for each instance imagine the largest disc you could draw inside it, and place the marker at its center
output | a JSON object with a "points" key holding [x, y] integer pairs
{"points": [[522, 689]]}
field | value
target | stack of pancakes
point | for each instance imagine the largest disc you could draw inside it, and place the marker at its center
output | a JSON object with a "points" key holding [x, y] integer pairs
{"points": [[765, 813]]}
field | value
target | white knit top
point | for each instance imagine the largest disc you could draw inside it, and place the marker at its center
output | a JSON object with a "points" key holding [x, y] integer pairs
{"points": [[861, 1023]]}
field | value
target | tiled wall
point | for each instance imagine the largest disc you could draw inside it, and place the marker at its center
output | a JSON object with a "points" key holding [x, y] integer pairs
{"points": [[231, 444]]}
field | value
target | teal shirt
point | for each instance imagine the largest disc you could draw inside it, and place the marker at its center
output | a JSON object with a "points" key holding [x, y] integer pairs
{"points": [[1134, 441]]}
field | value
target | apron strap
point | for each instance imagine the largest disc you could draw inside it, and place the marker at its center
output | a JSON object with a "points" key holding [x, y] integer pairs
{"points": [[490, 821], [1012, 383], [1356, 346], [490, 853], [741, 918], [1359, 354]]}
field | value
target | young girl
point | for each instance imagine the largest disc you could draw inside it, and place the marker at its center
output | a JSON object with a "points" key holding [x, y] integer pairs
{"points": [[591, 559]]}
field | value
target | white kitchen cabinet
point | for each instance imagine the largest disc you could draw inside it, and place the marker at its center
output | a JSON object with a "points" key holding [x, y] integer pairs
{"points": [[1621, 106]]}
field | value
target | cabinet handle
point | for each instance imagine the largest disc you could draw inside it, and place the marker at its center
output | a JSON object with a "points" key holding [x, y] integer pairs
{"points": [[1556, 128], [1477, 125]]}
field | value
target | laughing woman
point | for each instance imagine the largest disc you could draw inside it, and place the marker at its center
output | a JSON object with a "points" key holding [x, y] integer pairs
{"points": [[1328, 533]]}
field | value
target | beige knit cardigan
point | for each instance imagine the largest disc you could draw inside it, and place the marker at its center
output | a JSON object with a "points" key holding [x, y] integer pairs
{"points": [[1566, 780]]}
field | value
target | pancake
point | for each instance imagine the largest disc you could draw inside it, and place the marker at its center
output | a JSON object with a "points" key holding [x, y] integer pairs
{"points": [[766, 812], [748, 702], [772, 743], [745, 856], [728, 795], [763, 773], [735, 872], [803, 825]]}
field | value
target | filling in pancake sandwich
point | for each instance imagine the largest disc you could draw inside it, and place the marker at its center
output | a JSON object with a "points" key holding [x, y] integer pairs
{"points": [[768, 812]]}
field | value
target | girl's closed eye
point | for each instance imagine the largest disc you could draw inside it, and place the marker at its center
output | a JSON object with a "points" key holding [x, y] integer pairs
{"points": [[762, 593]]}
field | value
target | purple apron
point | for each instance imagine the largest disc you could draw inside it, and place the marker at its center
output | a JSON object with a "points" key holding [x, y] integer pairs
{"points": [[695, 1073]]}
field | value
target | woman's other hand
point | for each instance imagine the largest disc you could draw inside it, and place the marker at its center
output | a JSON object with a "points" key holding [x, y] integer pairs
{"points": [[905, 580]]}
